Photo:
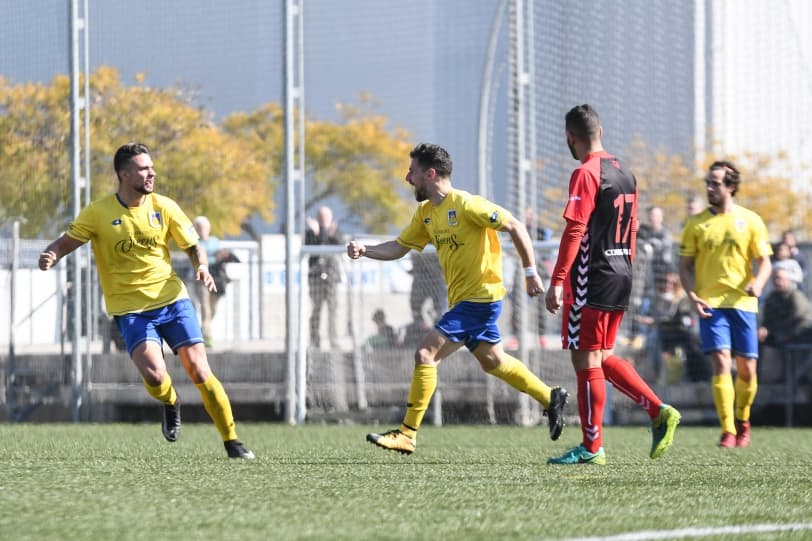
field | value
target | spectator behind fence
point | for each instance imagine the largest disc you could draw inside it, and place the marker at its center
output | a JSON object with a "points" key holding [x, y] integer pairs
{"points": [[720, 248], [676, 329], [659, 238], [788, 238], [323, 276], [786, 316], [535, 310], [783, 260], [693, 205], [130, 232], [427, 284], [218, 257], [385, 337]]}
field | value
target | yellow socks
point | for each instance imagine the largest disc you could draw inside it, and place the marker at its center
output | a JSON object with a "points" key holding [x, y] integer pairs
{"points": [[424, 382], [163, 392], [745, 395], [723, 396], [517, 375], [217, 405]]}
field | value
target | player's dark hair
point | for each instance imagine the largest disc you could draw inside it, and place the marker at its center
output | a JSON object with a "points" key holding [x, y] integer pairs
{"points": [[583, 122], [433, 156], [732, 175], [127, 152]]}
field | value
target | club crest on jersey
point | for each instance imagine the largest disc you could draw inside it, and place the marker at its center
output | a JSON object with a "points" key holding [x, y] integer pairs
{"points": [[452, 218], [155, 219]]}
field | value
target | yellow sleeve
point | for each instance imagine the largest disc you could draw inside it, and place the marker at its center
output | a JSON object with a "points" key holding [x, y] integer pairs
{"points": [[485, 213], [760, 243], [82, 228], [415, 236], [180, 226]]}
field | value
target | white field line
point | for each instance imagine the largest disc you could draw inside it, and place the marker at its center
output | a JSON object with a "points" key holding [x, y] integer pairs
{"points": [[683, 533]]}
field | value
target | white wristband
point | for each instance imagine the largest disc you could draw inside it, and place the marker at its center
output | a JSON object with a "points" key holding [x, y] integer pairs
{"points": [[202, 267], [529, 272]]}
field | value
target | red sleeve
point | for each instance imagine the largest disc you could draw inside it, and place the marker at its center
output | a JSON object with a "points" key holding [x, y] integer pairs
{"points": [[567, 251]]}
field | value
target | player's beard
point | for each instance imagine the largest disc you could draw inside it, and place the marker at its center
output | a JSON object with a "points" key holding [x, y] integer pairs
{"points": [[420, 195], [144, 190], [715, 200], [572, 151]]}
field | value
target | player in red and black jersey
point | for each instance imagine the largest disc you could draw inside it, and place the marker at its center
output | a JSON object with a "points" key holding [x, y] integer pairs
{"points": [[592, 282]]}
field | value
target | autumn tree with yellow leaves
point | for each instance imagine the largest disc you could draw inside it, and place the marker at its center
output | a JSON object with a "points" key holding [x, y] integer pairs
{"points": [[228, 171], [767, 186]]}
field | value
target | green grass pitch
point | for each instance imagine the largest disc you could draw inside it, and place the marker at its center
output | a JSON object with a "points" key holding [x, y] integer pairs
{"points": [[120, 482]]}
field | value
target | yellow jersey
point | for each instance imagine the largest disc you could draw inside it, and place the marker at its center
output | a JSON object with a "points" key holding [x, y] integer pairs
{"points": [[463, 230], [131, 248], [724, 247]]}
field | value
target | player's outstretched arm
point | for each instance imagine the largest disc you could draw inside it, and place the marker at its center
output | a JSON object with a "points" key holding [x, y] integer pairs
{"points": [[385, 251], [57, 250], [524, 247]]}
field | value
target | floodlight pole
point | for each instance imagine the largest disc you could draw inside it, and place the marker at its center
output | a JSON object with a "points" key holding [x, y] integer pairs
{"points": [[78, 101], [294, 173]]}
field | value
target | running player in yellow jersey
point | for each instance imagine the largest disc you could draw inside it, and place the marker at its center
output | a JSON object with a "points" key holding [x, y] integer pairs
{"points": [[129, 231], [719, 246], [462, 227]]}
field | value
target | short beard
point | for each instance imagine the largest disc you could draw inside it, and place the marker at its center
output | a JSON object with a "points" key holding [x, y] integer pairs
{"points": [[572, 151], [420, 195], [143, 190]]}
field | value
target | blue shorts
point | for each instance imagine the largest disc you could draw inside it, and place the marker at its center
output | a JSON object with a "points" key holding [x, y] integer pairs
{"points": [[176, 323], [732, 329], [471, 323]]}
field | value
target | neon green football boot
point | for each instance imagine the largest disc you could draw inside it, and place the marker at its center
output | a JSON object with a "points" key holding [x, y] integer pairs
{"points": [[662, 430]]}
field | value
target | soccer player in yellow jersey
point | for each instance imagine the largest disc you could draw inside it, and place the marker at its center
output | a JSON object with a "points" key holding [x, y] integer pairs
{"points": [[129, 232], [462, 227], [719, 246]]}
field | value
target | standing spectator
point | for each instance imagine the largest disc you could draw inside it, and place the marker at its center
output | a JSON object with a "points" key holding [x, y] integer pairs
{"points": [[719, 247], [788, 238], [130, 231], [659, 238], [693, 205], [323, 276], [594, 291], [655, 245], [783, 259], [535, 311], [463, 229], [206, 298]]}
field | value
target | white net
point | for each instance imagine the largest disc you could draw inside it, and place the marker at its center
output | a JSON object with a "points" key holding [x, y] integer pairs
{"points": [[489, 80], [382, 311]]}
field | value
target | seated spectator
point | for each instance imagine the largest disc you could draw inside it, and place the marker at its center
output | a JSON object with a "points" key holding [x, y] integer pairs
{"points": [[386, 337], [786, 316]]}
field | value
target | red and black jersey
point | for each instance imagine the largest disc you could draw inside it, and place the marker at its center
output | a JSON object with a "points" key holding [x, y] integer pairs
{"points": [[603, 204]]}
